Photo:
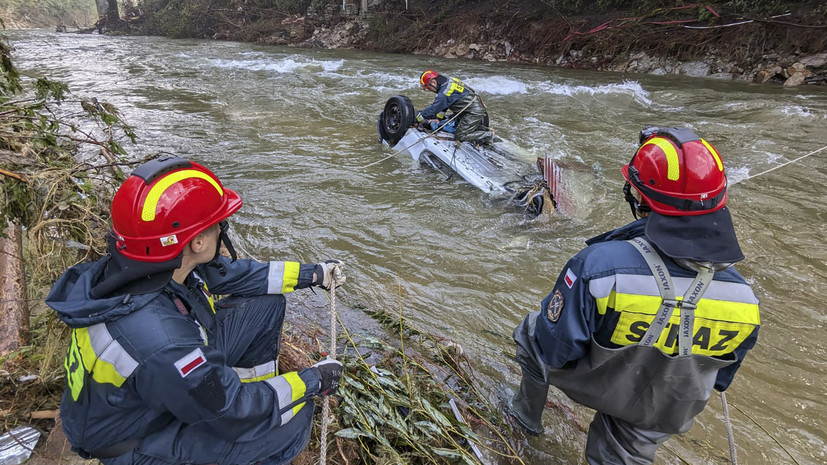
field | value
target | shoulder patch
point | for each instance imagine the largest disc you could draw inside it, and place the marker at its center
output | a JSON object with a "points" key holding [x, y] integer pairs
{"points": [[190, 362], [555, 306], [570, 278], [209, 393]]}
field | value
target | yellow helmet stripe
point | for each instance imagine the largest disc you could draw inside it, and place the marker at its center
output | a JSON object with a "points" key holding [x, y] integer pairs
{"points": [[715, 154], [673, 172], [151, 202]]}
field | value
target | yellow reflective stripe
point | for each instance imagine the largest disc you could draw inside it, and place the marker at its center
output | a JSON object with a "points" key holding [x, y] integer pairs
{"points": [[605, 303], [154, 195], [74, 368], [282, 277], [290, 278], [101, 370], [633, 284], [715, 154], [723, 310], [208, 295], [710, 337], [298, 388], [456, 85], [257, 373], [602, 289], [720, 326], [673, 171]]}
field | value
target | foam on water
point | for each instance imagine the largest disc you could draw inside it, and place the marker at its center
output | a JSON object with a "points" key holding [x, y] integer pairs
{"points": [[797, 111], [630, 88], [281, 65], [498, 85]]}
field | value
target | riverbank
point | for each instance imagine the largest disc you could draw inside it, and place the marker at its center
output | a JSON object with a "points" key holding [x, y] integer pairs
{"points": [[786, 45]]}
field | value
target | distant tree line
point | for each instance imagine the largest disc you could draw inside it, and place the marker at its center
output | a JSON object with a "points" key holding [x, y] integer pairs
{"points": [[48, 13]]}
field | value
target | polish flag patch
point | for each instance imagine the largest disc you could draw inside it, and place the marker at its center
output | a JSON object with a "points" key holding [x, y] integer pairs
{"points": [[190, 362], [570, 278]]}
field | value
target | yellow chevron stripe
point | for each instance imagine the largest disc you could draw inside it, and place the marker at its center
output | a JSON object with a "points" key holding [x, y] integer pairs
{"points": [[151, 202], [673, 172]]}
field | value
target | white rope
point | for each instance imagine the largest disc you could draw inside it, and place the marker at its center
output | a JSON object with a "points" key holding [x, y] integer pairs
{"points": [[780, 166], [731, 437], [331, 354]]}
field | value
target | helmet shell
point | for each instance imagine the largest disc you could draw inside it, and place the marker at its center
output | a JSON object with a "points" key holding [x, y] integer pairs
{"points": [[164, 204], [427, 77], [678, 173]]}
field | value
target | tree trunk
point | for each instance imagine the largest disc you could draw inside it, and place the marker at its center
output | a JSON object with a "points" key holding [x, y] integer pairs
{"points": [[108, 11], [103, 8], [14, 308], [113, 15]]}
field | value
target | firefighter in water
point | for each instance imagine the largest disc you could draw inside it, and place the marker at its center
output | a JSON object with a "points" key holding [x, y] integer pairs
{"points": [[157, 371], [644, 322], [452, 94]]}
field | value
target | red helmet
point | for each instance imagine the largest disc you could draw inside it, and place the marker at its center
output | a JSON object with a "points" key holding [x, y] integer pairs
{"points": [[164, 204], [427, 77], [677, 173]]}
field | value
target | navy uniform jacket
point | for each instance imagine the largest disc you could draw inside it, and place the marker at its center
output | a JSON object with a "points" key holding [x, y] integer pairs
{"points": [[606, 291], [137, 362], [452, 95]]}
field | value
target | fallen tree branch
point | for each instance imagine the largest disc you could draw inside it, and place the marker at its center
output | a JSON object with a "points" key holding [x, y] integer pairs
{"points": [[10, 174]]}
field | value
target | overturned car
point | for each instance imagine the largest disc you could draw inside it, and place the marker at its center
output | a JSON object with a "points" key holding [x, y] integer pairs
{"points": [[500, 169]]}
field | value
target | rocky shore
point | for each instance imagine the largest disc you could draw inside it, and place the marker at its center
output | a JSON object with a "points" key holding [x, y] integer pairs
{"points": [[790, 49]]}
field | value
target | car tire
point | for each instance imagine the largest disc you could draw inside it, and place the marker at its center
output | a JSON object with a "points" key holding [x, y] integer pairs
{"points": [[397, 117]]}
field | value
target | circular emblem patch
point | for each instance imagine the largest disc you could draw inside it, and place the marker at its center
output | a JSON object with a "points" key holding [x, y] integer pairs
{"points": [[555, 307]]}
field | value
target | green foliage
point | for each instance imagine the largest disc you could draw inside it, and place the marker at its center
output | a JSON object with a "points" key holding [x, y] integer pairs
{"points": [[184, 18], [290, 7], [9, 79], [49, 13], [398, 408]]}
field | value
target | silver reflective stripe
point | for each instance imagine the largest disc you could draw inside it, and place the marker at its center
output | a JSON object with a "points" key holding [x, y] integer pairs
{"points": [[275, 278], [109, 350], [643, 285], [601, 288], [669, 302], [256, 372], [285, 394]]}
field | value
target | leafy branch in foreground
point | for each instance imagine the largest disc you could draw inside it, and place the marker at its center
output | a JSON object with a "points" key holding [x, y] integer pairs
{"points": [[397, 404], [59, 161]]}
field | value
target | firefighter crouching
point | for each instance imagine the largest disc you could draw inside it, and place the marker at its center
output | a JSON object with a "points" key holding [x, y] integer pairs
{"points": [[644, 322], [159, 373]]}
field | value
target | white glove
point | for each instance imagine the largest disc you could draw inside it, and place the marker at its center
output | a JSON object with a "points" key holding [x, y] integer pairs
{"points": [[332, 274]]}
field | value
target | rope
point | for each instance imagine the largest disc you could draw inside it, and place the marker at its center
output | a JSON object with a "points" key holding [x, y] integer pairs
{"points": [[731, 437], [781, 165], [433, 134], [331, 354]]}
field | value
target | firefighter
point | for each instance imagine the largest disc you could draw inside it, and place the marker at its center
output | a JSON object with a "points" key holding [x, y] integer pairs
{"points": [[452, 94], [157, 371], [645, 321]]}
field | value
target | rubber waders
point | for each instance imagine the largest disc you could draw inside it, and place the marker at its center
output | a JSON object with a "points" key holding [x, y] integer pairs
{"points": [[527, 406]]}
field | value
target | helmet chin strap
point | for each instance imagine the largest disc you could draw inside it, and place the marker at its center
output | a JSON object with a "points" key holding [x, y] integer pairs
{"points": [[224, 238], [635, 205]]}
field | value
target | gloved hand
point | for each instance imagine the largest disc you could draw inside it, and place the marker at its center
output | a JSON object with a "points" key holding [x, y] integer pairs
{"points": [[329, 372], [330, 274]]}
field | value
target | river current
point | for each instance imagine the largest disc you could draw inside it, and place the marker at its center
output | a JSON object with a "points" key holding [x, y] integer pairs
{"points": [[294, 132]]}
